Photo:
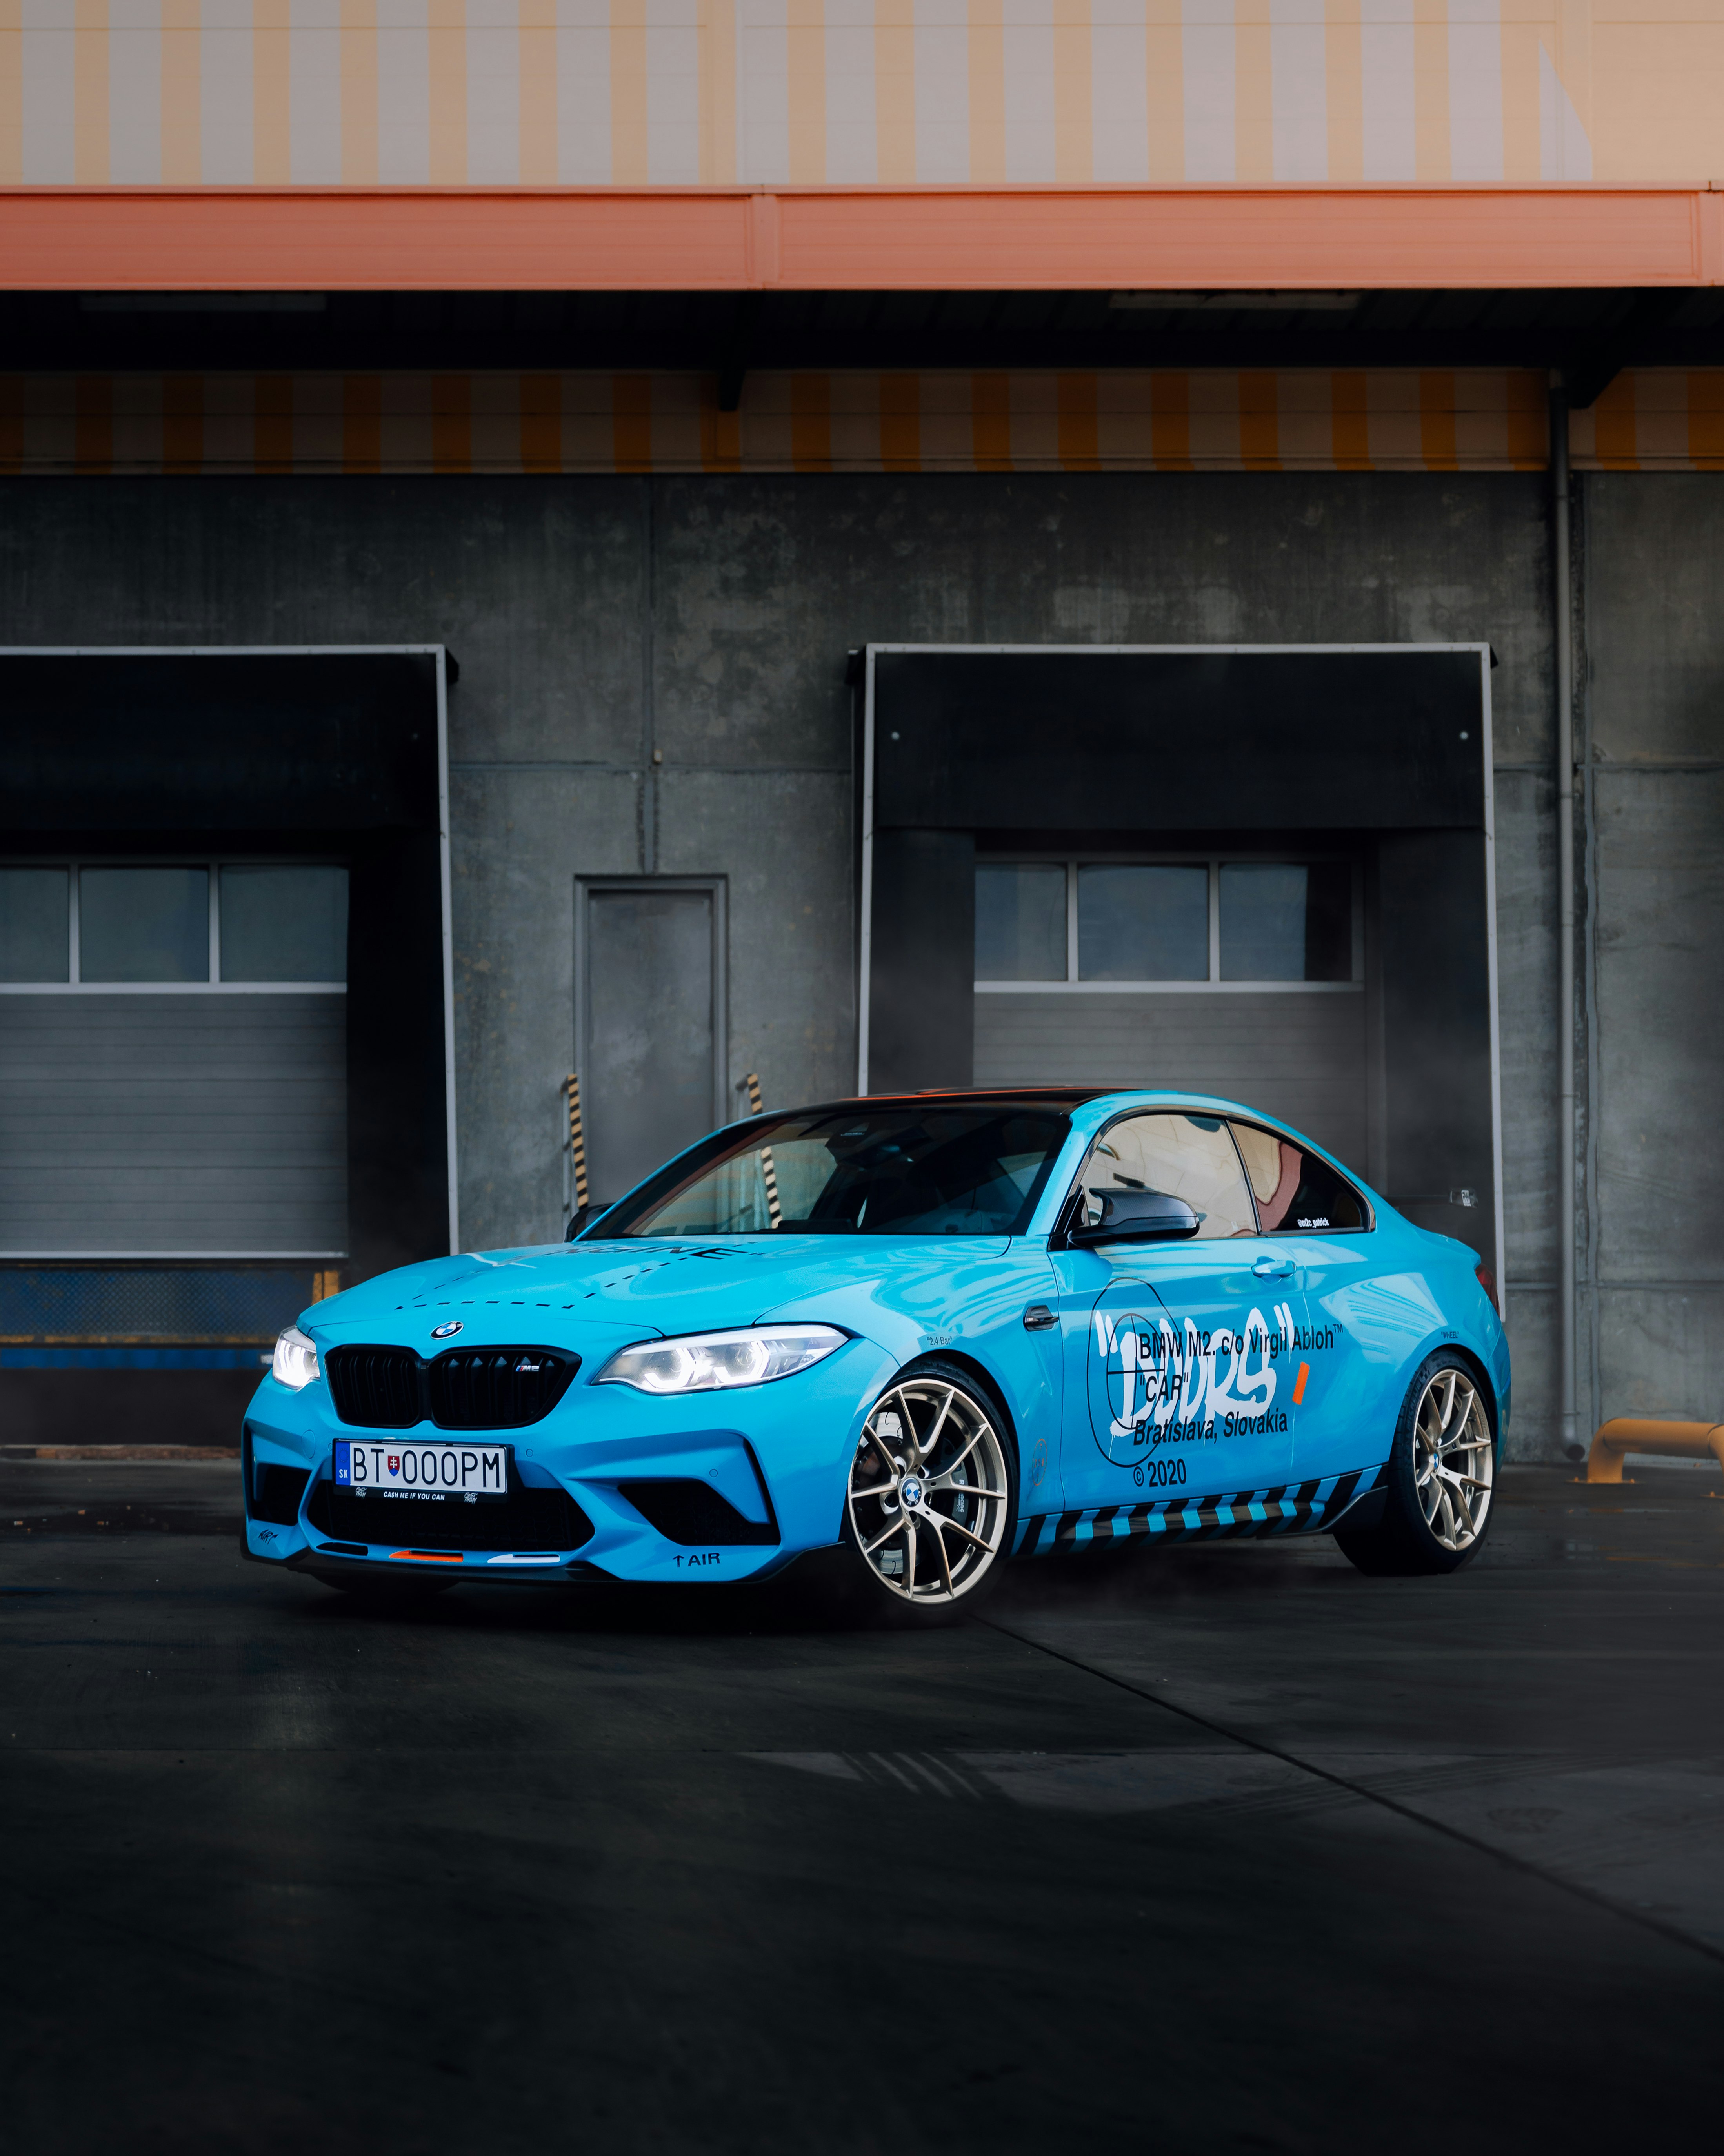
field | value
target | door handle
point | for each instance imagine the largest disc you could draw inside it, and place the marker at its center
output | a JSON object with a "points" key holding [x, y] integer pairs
{"points": [[1039, 1318], [1273, 1268]]}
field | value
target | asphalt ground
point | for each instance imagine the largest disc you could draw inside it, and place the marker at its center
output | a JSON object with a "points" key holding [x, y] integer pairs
{"points": [[1220, 1847]]}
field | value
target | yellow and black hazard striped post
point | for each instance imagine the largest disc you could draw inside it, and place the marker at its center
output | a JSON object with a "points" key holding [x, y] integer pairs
{"points": [[577, 1140], [768, 1172]]}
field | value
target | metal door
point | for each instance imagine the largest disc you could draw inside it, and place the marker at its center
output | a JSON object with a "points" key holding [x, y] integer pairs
{"points": [[649, 1021]]}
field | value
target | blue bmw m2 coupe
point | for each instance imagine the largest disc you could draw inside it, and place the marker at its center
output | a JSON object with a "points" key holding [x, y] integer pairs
{"points": [[940, 1329]]}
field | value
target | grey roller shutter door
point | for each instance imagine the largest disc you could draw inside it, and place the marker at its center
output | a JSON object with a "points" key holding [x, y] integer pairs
{"points": [[1301, 1057], [168, 1125]]}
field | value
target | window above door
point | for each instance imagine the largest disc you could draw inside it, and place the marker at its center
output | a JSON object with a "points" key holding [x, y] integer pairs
{"points": [[105, 926], [1185, 922]]}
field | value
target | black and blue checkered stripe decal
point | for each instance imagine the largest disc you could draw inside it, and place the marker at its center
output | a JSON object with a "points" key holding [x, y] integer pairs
{"points": [[1293, 1507]]}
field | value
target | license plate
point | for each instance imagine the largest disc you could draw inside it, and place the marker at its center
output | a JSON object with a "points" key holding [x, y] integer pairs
{"points": [[468, 1473]]}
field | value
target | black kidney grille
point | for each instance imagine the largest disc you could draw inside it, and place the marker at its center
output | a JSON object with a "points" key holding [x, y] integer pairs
{"points": [[467, 1388], [378, 1387], [497, 1387]]}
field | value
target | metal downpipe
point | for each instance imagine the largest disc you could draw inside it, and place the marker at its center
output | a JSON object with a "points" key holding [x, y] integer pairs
{"points": [[1562, 616]]}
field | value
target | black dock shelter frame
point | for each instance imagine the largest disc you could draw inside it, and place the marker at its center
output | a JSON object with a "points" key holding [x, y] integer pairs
{"points": [[1381, 753]]}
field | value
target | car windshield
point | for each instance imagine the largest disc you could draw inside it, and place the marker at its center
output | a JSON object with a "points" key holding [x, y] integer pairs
{"points": [[900, 1171]]}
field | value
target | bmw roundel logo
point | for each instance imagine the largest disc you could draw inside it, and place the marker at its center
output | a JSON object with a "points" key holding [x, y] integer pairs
{"points": [[443, 1332]]}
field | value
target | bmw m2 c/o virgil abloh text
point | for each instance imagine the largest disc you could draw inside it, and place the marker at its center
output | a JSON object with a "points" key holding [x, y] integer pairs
{"points": [[941, 1331]]}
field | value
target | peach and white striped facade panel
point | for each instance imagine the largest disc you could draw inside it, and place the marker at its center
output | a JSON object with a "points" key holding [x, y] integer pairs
{"points": [[1481, 420], [855, 92]]}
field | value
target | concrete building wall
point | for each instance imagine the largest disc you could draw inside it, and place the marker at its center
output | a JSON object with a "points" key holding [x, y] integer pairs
{"points": [[1653, 1268], [597, 619]]}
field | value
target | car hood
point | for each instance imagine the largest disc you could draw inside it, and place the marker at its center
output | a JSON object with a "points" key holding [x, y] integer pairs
{"points": [[643, 1288]]}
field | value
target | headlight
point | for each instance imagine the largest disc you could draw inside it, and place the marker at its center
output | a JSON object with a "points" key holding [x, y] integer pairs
{"points": [[714, 1362], [294, 1362]]}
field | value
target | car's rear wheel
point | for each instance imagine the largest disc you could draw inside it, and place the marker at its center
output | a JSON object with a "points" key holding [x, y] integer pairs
{"points": [[932, 1492], [1440, 1478]]}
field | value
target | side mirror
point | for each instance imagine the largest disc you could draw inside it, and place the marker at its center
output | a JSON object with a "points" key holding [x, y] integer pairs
{"points": [[582, 1218], [1138, 1216]]}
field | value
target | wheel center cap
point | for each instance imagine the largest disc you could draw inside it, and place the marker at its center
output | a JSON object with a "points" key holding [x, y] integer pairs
{"points": [[910, 1490]]}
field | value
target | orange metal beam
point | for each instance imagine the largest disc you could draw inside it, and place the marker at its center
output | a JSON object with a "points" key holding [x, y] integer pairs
{"points": [[835, 239]]}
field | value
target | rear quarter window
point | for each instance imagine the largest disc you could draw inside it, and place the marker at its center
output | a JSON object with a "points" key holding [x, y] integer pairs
{"points": [[1297, 1192]]}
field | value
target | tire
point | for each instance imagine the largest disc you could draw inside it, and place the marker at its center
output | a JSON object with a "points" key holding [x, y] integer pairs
{"points": [[1440, 1480], [939, 1432]]}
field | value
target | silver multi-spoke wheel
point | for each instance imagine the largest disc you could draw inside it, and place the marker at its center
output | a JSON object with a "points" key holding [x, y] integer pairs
{"points": [[929, 1492], [1452, 1460]]}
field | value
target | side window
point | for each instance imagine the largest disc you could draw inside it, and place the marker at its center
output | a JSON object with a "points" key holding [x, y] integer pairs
{"points": [[1188, 1157], [1297, 1193]]}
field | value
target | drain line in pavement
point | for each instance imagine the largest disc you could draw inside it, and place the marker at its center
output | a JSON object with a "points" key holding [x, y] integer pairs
{"points": [[1672, 1932]]}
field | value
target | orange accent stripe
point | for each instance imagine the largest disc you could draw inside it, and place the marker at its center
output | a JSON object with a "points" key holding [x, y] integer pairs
{"points": [[987, 71], [894, 92], [1613, 432], [1349, 421], [1259, 424], [1436, 420], [811, 422], [991, 422], [182, 423], [540, 422], [1079, 424], [1344, 78], [1299, 1382], [628, 93], [12, 91], [1170, 422], [271, 92], [451, 423], [89, 92], [430, 1556], [446, 41], [93, 436], [11, 424], [272, 422], [900, 423], [721, 434], [361, 423], [805, 66], [1074, 131], [538, 93], [1705, 420], [358, 51], [1254, 105], [444, 239], [1529, 420], [632, 422], [717, 45]]}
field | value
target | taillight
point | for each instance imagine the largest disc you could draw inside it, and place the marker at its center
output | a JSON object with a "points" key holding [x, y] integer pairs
{"points": [[1487, 1280]]}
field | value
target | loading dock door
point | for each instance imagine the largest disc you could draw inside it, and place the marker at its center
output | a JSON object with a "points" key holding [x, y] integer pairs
{"points": [[1236, 973], [174, 1060], [166, 1126], [1141, 796], [1299, 1057]]}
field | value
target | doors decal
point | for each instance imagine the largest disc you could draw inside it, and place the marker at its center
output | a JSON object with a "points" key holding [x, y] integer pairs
{"points": [[1156, 1382]]}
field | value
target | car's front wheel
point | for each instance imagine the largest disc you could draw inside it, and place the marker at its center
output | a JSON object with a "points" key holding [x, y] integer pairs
{"points": [[932, 1492], [1439, 1481]]}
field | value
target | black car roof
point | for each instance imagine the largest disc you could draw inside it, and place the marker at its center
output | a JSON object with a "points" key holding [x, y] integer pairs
{"points": [[1059, 1097]]}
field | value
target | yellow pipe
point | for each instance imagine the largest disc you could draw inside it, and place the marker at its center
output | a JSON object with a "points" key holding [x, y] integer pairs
{"points": [[1684, 1441]]}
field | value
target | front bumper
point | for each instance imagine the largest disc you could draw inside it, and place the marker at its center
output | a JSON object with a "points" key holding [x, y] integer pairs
{"points": [[776, 1455]]}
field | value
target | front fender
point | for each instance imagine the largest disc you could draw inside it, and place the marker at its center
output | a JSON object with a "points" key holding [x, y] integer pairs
{"points": [[968, 1302]]}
